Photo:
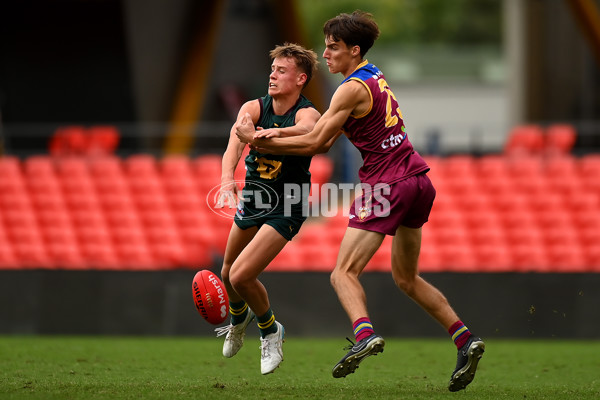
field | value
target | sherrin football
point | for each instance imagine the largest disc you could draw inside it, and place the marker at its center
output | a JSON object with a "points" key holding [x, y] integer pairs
{"points": [[210, 297]]}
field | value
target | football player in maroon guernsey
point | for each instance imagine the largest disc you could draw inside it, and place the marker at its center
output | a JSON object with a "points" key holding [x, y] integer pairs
{"points": [[397, 195]]}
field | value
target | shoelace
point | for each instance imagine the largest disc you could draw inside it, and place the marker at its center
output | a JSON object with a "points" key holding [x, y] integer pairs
{"points": [[351, 344], [223, 330], [264, 347]]}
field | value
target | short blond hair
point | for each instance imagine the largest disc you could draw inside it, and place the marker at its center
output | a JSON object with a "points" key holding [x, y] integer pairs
{"points": [[306, 60]]}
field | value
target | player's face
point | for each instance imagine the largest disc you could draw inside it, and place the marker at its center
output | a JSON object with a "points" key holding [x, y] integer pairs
{"points": [[339, 56], [285, 78]]}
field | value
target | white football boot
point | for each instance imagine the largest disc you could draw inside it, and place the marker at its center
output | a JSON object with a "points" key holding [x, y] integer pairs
{"points": [[235, 335], [271, 352]]}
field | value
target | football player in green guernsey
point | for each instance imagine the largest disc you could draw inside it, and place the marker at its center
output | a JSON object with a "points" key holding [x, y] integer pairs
{"points": [[263, 225]]}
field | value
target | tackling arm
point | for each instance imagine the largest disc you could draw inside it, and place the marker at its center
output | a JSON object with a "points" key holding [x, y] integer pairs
{"points": [[344, 101]]}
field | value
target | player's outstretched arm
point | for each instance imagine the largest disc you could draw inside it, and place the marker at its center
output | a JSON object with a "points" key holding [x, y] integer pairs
{"points": [[344, 101], [306, 118]]}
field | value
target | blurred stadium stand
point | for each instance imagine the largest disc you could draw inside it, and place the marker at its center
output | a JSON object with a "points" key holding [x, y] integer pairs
{"points": [[534, 207], [102, 228]]}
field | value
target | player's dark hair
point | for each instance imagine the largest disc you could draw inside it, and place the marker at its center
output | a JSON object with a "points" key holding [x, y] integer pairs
{"points": [[306, 60], [356, 29]]}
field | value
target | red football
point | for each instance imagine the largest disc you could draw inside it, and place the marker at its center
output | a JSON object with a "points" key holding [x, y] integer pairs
{"points": [[210, 297]]}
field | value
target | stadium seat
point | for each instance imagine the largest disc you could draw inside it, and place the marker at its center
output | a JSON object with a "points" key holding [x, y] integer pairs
{"points": [[66, 255], [207, 171], [560, 139], [525, 140], [499, 185], [68, 141], [7, 256], [475, 203], [493, 257], [458, 166], [106, 167], [442, 235], [488, 232], [39, 166], [506, 203], [208, 164], [430, 259], [568, 188], [523, 232], [27, 243], [546, 218], [491, 167], [589, 165], [529, 257], [290, 259], [457, 256], [445, 218], [175, 166], [74, 166], [592, 257], [102, 140], [321, 169], [165, 244], [148, 197], [317, 257], [140, 165], [10, 166], [135, 256], [130, 243], [382, 259], [560, 167], [526, 166], [544, 200], [101, 255], [556, 235], [196, 256], [563, 257]]}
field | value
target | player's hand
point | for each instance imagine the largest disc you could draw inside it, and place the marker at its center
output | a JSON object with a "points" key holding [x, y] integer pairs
{"points": [[266, 133], [227, 195], [245, 129]]}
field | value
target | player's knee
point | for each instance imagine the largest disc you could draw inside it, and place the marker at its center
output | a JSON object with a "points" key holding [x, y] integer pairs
{"points": [[339, 275], [406, 283], [333, 278], [237, 280], [225, 274]]}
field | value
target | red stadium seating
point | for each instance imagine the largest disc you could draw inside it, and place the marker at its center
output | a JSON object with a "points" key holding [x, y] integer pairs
{"points": [[525, 140], [78, 140], [519, 212], [321, 168], [560, 139], [102, 140]]}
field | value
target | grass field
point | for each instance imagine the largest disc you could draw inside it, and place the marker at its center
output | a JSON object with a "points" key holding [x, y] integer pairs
{"points": [[47, 367]]}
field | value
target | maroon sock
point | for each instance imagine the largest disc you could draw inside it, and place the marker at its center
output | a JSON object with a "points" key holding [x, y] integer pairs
{"points": [[459, 333], [362, 328]]}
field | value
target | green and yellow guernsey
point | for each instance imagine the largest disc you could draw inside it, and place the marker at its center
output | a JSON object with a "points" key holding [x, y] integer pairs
{"points": [[272, 170]]}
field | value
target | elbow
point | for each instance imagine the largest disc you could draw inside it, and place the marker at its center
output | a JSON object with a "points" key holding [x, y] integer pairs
{"points": [[324, 148], [312, 149]]}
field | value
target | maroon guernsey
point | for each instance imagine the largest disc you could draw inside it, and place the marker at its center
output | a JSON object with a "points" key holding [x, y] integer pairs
{"points": [[379, 134]]}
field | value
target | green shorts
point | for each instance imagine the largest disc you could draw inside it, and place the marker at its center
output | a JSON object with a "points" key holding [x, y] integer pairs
{"points": [[287, 226], [286, 223]]}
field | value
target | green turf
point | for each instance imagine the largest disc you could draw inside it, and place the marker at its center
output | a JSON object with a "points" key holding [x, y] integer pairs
{"points": [[34, 367]]}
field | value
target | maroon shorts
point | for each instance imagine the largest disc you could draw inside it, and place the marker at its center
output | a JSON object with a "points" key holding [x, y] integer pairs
{"points": [[386, 207]]}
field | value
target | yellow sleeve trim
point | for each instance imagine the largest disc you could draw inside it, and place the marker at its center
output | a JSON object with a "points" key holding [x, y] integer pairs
{"points": [[370, 99]]}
